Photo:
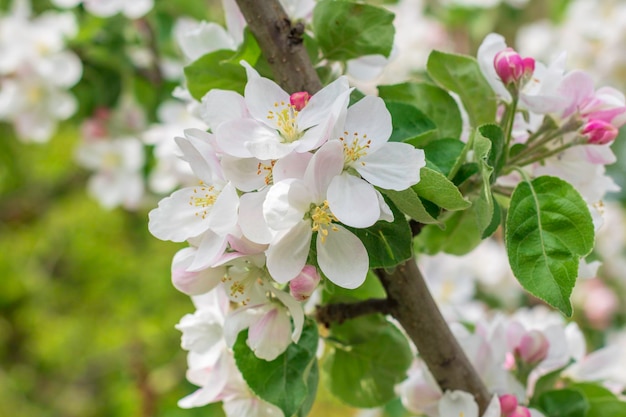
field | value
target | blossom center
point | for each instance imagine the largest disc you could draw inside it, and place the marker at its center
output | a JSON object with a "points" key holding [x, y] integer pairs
{"points": [[203, 198], [267, 171], [322, 219], [354, 148], [285, 116]]}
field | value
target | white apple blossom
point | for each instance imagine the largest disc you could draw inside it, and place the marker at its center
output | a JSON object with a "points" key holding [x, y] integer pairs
{"points": [[276, 127], [207, 211], [295, 209], [370, 160]]}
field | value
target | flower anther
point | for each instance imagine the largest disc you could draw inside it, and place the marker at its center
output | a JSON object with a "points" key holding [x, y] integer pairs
{"points": [[322, 219], [202, 198]]}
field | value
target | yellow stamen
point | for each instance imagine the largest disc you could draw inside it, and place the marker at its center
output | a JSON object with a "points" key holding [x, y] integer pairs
{"points": [[203, 198], [355, 148], [323, 219]]}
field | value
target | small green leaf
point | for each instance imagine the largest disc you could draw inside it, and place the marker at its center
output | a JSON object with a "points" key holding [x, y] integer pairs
{"points": [[593, 391], [410, 204], [408, 122], [547, 382], [289, 381], [387, 243], [435, 187], [563, 403], [345, 30], [214, 70], [548, 229], [442, 154], [369, 357], [461, 75], [484, 206], [606, 408], [433, 101], [496, 220], [459, 236], [496, 154]]}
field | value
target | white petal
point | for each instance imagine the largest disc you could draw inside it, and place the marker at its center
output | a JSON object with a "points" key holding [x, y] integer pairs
{"points": [[323, 167], [234, 135], [285, 204], [291, 166], [175, 219], [353, 201], [223, 216], [238, 320], [263, 95], [396, 166], [251, 218], [211, 247], [296, 311], [370, 116], [287, 255], [219, 106], [342, 258], [269, 336], [245, 173], [193, 283], [458, 404], [214, 385]]}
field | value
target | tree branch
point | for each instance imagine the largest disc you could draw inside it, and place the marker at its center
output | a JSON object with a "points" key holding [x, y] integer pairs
{"points": [[282, 45], [414, 307], [409, 300], [340, 312]]}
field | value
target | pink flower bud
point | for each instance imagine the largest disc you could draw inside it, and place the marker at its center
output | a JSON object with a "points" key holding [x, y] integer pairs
{"points": [[302, 286], [599, 132], [509, 66], [299, 100], [508, 404], [519, 412], [533, 347]]}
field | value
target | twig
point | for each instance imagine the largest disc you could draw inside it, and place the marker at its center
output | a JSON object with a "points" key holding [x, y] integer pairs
{"points": [[340, 312]]}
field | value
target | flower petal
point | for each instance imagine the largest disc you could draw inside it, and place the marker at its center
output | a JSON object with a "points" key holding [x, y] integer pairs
{"points": [[353, 201], [342, 258], [287, 255], [396, 166]]}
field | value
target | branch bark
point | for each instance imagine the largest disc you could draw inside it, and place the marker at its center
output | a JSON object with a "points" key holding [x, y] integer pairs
{"points": [[282, 45], [409, 300], [340, 312]]}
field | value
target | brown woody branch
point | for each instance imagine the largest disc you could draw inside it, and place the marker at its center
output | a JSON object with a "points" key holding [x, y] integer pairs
{"points": [[340, 312], [408, 299]]}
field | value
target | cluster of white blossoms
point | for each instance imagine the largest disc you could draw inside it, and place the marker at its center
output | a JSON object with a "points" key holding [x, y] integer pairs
{"points": [[280, 180], [36, 70]]}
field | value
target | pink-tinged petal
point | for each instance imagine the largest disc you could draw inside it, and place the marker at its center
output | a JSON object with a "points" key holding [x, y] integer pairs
{"points": [[491, 45], [292, 166], [576, 87], [285, 204], [396, 166], [353, 201], [262, 96], [269, 337], [247, 174], [287, 255], [251, 218], [238, 320], [250, 406], [219, 106], [295, 309], [193, 283], [342, 258], [369, 116], [323, 167], [223, 217], [233, 135], [214, 378], [302, 287], [458, 403], [211, 247], [177, 220], [600, 155]]}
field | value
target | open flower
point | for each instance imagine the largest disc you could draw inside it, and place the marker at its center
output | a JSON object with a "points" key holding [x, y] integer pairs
{"points": [[296, 209]]}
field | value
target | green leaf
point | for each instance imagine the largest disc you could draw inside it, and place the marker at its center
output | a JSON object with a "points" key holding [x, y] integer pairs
{"points": [[369, 357], [387, 243], [345, 30], [435, 187], [606, 408], [496, 154], [433, 101], [593, 391], [221, 69], [408, 123], [563, 403], [410, 204], [461, 75], [442, 154], [371, 288], [496, 220], [460, 235], [214, 70], [484, 206], [289, 381], [547, 382], [548, 229]]}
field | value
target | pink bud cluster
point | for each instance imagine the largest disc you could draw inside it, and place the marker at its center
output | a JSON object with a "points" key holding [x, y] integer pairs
{"points": [[510, 408], [599, 132], [512, 68]]}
